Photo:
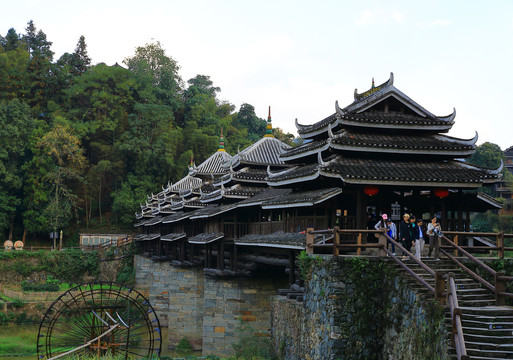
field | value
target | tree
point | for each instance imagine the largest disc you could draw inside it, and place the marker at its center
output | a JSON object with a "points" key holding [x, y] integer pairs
{"points": [[11, 40], [157, 75], [127, 198], [37, 44], [67, 162], [487, 155], [247, 118], [16, 126]]}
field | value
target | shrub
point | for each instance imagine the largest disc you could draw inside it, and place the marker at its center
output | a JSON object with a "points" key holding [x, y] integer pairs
{"points": [[39, 287]]}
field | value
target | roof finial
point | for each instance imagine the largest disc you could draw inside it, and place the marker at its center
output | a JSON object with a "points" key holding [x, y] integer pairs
{"points": [[269, 127], [372, 83], [221, 142]]}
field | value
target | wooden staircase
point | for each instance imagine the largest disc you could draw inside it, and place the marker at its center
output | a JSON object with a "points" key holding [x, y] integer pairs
{"points": [[487, 329]]}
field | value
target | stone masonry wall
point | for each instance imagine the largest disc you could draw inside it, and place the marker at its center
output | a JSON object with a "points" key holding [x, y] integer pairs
{"points": [[357, 309], [210, 313], [234, 307]]}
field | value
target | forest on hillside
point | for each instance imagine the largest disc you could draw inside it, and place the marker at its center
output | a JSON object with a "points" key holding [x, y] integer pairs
{"points": [[82, 145]]}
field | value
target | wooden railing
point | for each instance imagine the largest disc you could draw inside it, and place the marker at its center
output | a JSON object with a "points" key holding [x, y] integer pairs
{"points": [[496, 240], [337, 245], [457, 339], [500, 280]]}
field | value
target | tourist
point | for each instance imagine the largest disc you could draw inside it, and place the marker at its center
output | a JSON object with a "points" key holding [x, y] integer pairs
{"points": [[405, 233], [384, 224], [392, 232], [435, 233], [419, 238]]}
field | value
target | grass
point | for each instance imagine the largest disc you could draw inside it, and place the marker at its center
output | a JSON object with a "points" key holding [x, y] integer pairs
{"points": [[19, 342]]}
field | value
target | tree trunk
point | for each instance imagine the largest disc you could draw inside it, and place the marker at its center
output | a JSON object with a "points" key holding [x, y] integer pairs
{"points": [[11, 228], [100, 200]]}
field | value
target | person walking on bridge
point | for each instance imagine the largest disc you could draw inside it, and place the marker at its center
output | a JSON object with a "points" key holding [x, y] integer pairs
{"points": [[406, 233], [419, 238], [435, 233]]}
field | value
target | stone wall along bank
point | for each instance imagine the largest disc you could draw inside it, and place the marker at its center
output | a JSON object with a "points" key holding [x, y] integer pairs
{"points": [[210, 313], [357, 308]]}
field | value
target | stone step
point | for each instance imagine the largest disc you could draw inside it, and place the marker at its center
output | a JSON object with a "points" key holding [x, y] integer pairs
{"points": [[494, 354], [492, 333], [508, 339], [489, 319], [489, 310], [476, 303], [488, 325], [469, 297]]}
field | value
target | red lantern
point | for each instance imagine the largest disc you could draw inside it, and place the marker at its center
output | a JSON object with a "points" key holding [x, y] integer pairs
{"points": [[441, 193], [370, 190]]}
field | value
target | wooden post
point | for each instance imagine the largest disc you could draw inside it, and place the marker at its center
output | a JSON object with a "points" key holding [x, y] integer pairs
{"points": [[382, 240], [336, 241], [439, 287], [359, 242], [309, 241], [500, 245], [455, 240], [292, 266], [500, 286]]}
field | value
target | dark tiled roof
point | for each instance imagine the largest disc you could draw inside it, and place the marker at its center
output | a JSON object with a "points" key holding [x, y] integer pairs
{"points": [[381, 119], [186, 183], [330, 120], [429, 144], [211, 196], [250, 175], [172, 237], [194, 203], [212, 210], [303, 198], [265, 151], [156, 220], [267, 194], [242, 192], [276, 239], [205, 238], [301, 172], [305, 149], [175, 217], [206, 188], [148, 237], [213, 164], [394, 171]]}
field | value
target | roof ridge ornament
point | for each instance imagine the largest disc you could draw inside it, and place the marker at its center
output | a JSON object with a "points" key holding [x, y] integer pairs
{"points": [[448, 118], [498, 170], [269, 127], [330, 133], [338, 109], [221, 142], [320, 161], [373, 89]]}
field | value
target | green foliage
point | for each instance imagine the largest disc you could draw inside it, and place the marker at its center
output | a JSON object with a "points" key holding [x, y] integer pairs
{"points": [[305, 263], [68, 266], [25, 286], [252, 345], [127, 132], [184, 347]]}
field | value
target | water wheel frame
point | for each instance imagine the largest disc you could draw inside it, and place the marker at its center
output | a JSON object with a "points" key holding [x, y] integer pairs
{"points": [[99, 318]]}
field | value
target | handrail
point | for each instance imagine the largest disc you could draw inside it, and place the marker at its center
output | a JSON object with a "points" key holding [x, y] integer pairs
{"points": [[410, 271], [411, 256], [457, 338], [500, 286], [470, 272], [470, 256]]}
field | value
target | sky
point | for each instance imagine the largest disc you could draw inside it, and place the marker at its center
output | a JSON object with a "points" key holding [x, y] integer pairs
{"points": [[299, 57]]}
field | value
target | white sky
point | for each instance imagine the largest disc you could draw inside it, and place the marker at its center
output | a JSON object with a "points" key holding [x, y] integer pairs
{"points": [[299, 57]]}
